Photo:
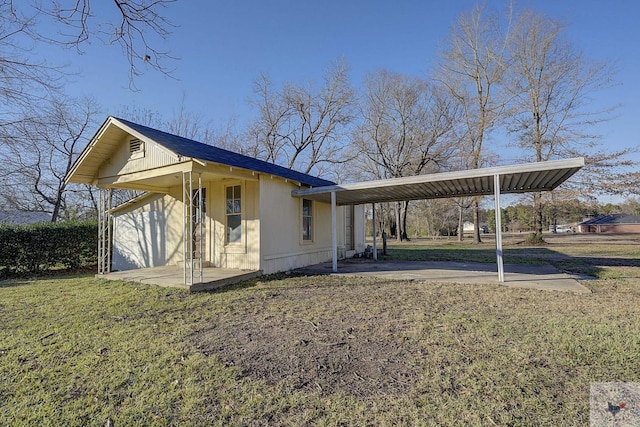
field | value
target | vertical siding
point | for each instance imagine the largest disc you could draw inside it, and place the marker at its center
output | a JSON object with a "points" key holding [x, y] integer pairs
{"points": [[121, 162], [282, 247], [272, 228], [359, 228], [149, 235], [245, 255]]}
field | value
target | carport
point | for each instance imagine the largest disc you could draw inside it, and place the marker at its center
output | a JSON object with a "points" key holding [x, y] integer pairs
{"points": [[522, 178]]}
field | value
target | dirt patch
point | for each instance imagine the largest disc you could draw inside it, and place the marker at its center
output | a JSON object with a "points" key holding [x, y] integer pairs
{"points": [[341, 347]]}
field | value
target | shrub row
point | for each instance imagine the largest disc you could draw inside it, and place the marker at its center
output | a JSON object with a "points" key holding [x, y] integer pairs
{"points": [[38, 247]]}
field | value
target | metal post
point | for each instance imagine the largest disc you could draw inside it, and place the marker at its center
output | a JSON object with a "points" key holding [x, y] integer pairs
{"points": [[100, 231], [496, 190], [334, 234], [187, 198], [184, 227], [104, 231], [109, 228], [375, 246], [190, 229], [200, 223]]}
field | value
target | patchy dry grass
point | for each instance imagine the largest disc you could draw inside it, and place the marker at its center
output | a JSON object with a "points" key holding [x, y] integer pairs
{"points": [[589, 254], [316, 350]]}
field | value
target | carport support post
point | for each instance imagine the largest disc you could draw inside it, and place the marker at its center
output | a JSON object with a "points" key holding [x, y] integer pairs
{"points": [[496, 190], [334, 234]]}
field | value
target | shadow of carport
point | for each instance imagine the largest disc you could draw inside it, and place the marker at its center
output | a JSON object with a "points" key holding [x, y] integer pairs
{"points": [[542, 277]]}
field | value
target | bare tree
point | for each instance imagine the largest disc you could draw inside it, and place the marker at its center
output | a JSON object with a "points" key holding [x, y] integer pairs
{"points": [[39, 152], [472, 68], [25, 80], [406, 124], [302, 126], [551, 83], [139, 27]]}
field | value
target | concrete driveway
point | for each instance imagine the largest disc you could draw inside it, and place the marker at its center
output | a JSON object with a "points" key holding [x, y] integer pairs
{"points": [[543, 277]]}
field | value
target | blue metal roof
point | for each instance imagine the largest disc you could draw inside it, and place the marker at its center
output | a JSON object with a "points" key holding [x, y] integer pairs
{"points": [[190, 148]]}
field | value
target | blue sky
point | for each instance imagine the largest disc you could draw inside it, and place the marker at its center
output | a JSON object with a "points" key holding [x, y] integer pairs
{"points": [[223, 46]]}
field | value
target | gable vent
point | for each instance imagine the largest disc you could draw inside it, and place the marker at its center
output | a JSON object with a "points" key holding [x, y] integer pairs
{"points": [[135, 146], [136, 149]]}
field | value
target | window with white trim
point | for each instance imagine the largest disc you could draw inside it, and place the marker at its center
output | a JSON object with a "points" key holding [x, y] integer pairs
{"points": [[234, 214], [307, 220]]}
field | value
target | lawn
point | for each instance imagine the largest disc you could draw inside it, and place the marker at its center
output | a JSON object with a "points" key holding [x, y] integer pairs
{"points": [[322, 350]]}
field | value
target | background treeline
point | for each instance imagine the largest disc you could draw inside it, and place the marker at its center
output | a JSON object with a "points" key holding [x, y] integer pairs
{"points": [[507, 86], [441, 217]]}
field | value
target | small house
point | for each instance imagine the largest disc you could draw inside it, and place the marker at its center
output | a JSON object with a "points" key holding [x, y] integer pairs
{"points": [[614, 223], [200, 206]]}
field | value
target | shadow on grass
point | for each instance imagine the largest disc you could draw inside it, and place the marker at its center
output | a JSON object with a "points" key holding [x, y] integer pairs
{"points": [[245, 284]]}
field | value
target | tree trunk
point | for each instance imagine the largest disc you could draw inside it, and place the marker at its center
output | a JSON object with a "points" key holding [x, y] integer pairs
{"points": [[460, 225], [476, 221], [537, 214], [405, 235], [398, 222]]}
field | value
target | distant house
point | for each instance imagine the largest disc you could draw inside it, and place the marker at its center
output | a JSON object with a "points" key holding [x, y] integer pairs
{"points": [[203, 206], [23, 218], [615, 223], [469, 227]]}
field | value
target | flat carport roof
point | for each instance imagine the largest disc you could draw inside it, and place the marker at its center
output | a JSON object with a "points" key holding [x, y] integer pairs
{"points": [[522, 178]]}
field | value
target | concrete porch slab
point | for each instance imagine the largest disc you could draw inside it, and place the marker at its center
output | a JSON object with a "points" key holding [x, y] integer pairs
{"points": [[543, 277], [173, 276]]}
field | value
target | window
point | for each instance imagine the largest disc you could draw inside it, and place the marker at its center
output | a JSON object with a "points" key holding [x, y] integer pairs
{"points": [[234, 215], [307, 220]]}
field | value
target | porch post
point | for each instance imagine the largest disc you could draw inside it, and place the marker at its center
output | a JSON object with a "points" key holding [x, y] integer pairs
{"points": [[109, 228], [496, 190], [200, 221], [187, 234], [334, 234], [375, 245], [104, 230]]}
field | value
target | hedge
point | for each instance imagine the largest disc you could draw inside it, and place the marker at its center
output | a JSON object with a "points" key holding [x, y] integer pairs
{"points": [[38, 247]]}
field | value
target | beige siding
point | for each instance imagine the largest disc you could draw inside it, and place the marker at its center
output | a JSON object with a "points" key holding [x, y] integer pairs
{"points": [[282, 246], [121, 161], [271, 228], [359, 228], [148, 235], [246, 254]]}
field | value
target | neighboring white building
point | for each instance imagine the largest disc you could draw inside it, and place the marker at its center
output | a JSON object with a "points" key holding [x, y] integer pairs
{"points": [[208, 206], [469, 227]]}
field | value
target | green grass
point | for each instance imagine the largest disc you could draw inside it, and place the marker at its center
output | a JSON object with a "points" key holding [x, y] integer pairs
{"points": [[78, 351]]}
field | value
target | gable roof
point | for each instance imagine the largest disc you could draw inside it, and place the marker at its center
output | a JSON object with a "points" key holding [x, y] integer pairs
{"points": [[186, 147], [612, 219]]}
